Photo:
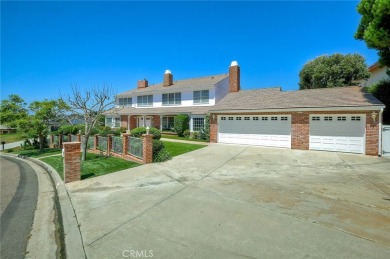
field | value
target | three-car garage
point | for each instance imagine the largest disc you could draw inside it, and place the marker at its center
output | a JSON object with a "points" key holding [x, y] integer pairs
{"points": [[329, 132]]}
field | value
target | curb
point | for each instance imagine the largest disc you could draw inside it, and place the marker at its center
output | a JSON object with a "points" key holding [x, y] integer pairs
{"points": [[73, 240]]}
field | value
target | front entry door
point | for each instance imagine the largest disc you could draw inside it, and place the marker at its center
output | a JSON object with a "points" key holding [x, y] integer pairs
{"points": [[147, 123]]}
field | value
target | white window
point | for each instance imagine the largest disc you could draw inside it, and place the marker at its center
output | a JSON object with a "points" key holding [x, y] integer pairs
{"points": [[201, 97], [328, 118], [117, 122], [341, 118], [167, 122], [145, 100], [109, 122], [264, 118], [238, 118], [355, 118], [223, 118], [315, 118], [255, 118], [274, 118], [125, 101], [246, 118], [284, 118], [171, 99], [197, 124]]}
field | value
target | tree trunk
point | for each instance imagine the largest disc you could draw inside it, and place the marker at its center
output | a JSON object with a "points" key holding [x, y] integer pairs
{"points": [[84, 148], [41, 143]]}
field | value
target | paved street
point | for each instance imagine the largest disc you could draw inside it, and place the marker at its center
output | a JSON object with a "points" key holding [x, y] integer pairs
{"points": [[231, 201], [19, 192]]}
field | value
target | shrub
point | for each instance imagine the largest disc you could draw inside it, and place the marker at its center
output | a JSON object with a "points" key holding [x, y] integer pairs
{"points": [[186, 133], [206, 131], [104, 130], [181, 124], [10, 150], [137, 132], [68, 129], [162, 156]]}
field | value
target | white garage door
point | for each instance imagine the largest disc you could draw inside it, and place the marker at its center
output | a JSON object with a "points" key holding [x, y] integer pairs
{"points": [[343, 133], [273, 131]]}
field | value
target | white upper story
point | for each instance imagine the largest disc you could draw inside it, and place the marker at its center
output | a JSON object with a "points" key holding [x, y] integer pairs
{"points": [[204, 91]]}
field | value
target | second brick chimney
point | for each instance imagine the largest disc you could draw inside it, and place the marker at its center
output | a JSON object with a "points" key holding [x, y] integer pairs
{"points": [[168, 78], [234, 77], [142, 83]]}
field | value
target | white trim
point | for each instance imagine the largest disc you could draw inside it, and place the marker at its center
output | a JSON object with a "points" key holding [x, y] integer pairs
{"points": [[380, 153], [346, 108]]}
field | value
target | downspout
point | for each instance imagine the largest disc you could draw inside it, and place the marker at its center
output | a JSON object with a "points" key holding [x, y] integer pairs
{"points": [[380, 133]]}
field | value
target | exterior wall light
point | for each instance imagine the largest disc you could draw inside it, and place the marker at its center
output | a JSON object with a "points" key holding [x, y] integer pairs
{"points": [[373, 116]]}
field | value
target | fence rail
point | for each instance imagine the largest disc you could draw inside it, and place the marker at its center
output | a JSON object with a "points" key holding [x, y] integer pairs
{"points": [[136, 147]]}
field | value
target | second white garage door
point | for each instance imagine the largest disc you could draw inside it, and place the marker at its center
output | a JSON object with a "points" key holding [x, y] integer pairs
{"points": [[272, 131], [343, 133]]}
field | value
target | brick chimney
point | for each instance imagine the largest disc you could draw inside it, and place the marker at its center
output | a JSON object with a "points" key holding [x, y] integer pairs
{"points": [[234, 77], [168, 78], [142, 83]]}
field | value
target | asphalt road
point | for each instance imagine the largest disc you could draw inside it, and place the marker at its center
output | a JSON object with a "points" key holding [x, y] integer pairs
{"points": [[19, 193]]}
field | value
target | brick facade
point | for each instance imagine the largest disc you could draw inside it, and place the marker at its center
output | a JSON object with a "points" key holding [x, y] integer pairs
{"points": [[72, 161], [148, 148], [300, 127], [124, 121], [133, 122], [156, 121]]}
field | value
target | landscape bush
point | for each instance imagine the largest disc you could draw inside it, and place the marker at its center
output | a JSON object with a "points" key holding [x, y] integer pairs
{"points": [[181, 123], [137, 132], [186, 133], [160, 154]]}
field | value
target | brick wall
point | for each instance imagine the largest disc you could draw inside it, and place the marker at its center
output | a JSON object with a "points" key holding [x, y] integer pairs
{"points": [[156, 121], [133, 122], [124, 121], [72, 161], [300, 128]]}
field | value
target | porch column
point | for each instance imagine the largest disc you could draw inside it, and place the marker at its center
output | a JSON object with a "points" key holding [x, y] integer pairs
{"points": [[191, 124], [128, 122], [161, 122], [144, 118]]}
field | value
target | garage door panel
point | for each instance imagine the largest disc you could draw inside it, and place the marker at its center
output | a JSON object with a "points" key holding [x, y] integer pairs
{"points": [[343, 133], [255, 131]]}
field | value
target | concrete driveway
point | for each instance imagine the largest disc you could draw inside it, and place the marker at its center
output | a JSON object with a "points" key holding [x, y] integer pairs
{"points": [[229, 201]]}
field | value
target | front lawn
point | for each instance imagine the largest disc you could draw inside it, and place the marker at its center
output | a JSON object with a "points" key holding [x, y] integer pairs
{"points": [[95, 165], [177, 148], [183, 138], [11, 137]]}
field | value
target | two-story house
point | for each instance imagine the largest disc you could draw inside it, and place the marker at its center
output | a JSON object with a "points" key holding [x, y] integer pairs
{"points": [[156, 105]]}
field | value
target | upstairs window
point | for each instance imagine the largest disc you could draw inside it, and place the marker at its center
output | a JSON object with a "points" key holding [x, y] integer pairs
{"points": [[125, 101], [145, 100], [201, 97], [171, 99]]}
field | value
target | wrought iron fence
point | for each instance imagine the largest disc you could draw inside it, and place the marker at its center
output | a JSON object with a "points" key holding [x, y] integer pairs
{"points": [[73, 138], [102, 143], [65, 138], [117, 145], [136, 147], [90, 144]]}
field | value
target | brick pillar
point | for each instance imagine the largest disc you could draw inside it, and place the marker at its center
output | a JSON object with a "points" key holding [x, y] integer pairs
{"points": [[148, 148], [72, 162], [300, 130], [372, 133], [213, 128], [60, 140], [109, 143], [125, 144], [79, 138], [95, 142]]}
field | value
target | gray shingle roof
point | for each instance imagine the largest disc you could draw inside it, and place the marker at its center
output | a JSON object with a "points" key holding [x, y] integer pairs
{"points": [[201, 83], [274, 98], [196, 110]]}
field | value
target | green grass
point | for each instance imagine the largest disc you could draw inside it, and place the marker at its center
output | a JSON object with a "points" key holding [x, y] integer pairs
{"points": [[95, 165], [35, 152], [12, 137], [183, 138], [176, 148]]}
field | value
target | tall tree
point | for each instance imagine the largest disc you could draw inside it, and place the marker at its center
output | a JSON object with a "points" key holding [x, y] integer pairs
{"points": [[12, 110], [43, 115], [374, 27], [89, 104], [333, 71]]}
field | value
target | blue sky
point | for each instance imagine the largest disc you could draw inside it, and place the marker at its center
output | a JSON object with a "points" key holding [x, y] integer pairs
{"points": [[47, 46]]}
